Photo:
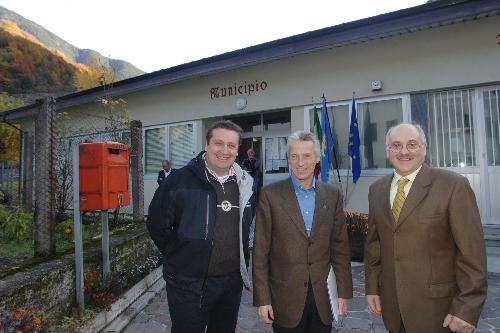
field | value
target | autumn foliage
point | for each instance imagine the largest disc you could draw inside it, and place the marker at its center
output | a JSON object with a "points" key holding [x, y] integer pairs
{"points": [[28, 67]]}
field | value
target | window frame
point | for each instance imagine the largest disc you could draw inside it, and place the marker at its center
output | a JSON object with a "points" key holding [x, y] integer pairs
{"points": [[406, 114], [154, 175]]}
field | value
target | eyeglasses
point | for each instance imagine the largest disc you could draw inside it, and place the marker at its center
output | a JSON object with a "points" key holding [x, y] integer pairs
{"points": [[412, 147]]}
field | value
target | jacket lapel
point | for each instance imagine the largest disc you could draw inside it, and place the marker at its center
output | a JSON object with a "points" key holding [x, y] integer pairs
{"points": [[320, 205], [418, 192], [291, 206], [385, 201]]}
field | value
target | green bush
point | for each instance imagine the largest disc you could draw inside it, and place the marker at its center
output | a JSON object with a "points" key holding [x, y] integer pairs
{"points": [[15, 224]]}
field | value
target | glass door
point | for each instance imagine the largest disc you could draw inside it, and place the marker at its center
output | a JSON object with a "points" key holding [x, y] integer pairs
{"points": [[275, 158], [489, 146]]}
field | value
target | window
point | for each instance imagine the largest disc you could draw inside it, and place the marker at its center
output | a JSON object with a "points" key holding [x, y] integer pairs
{"points": [[339, 123], [374, 119], [181, 146], [174, 142], [277, 120], [491, 101], [154, 149], [447, 120], [264, 121]]}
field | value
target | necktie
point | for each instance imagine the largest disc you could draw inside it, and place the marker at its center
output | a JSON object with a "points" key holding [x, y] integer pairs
{"points": [[399, 200]]}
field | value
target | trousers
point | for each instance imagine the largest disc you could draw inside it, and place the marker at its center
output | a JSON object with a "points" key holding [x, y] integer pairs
{"points": [[215, 310], [310, 321]]}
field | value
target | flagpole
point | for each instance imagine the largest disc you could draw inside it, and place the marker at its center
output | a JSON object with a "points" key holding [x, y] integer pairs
{"points": [[335, 157]]}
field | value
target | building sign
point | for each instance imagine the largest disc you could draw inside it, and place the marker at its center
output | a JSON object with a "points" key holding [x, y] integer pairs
{"points": [[245, 88]]}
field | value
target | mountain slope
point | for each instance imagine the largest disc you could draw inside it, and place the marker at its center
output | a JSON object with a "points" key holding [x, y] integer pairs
{"points": [[27, 67], [73, 54]]}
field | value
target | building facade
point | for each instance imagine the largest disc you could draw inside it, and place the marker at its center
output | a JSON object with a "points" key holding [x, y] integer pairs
{"points": [[437, 65]]}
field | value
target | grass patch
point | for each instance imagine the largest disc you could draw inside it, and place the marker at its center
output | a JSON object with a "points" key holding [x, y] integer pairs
{"points": [[15, 248]]}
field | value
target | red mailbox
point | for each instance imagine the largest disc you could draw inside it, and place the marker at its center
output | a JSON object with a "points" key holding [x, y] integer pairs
{"points": [[104, 176]]}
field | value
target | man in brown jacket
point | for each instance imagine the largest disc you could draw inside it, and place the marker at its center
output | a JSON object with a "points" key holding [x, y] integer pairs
{"points": [[300, 232], [425, 261]]}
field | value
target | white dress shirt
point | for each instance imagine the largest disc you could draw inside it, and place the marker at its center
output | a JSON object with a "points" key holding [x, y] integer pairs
{"points": [[394, 184]]}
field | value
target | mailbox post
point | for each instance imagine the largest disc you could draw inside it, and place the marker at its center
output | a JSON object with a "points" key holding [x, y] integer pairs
{"points": [[101, 182]]}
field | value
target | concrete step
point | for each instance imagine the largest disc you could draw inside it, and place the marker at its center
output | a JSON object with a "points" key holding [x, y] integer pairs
{"points": [[491, 229], [492, 240], [493, 251]]}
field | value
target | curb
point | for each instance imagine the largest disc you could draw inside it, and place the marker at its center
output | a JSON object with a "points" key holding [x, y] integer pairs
{"points": [[133, 298], [121, 322]]}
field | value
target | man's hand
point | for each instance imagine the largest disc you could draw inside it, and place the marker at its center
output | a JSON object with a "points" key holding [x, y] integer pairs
{"points": [[342, 306], [266, 314], [374, 304], [456, 324]]}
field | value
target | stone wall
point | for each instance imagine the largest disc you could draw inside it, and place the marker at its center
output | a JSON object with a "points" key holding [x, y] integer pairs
{"points": [[51, 284]]}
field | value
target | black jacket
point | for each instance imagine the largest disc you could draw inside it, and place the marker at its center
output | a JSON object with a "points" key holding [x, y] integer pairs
{"points": [[181, 222], [161, 175]]}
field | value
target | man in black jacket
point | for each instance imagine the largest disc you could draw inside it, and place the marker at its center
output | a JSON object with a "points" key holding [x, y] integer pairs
{"points": [[199, 219], [165, 172]]}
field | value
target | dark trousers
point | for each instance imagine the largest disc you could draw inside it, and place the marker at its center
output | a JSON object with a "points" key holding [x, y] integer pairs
{"points": [[216, 310], [310, 321]]}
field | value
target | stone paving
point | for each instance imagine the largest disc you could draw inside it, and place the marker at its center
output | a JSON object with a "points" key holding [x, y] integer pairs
{"points": [[155, 317]]}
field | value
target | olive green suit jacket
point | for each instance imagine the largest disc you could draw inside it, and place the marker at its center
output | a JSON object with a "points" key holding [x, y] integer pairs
{"points": [[433, 261], [285, 259]]}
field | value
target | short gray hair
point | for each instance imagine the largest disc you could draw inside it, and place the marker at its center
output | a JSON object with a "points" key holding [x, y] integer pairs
{"points": [[419, 129], [304, 136]]}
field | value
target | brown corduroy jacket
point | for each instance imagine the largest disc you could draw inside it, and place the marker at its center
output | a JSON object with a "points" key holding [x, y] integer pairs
{"points": [[285, 259], [432, 262]]}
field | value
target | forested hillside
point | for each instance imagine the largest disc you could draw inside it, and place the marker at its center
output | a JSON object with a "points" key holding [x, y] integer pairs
{"points": [[28, 67]]}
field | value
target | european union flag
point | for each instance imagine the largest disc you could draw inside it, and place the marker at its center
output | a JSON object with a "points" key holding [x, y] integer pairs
{"points": [[326, 144], [353, 149]]}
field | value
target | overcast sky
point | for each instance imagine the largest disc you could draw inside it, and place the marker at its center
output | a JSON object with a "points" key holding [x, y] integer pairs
{"points": [[157, 34]]}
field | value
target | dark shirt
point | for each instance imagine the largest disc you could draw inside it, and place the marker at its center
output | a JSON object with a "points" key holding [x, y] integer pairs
{"points": [[225, 256]]}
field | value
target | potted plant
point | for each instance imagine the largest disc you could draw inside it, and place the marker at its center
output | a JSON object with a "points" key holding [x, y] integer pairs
{"points": [[357, 227]]}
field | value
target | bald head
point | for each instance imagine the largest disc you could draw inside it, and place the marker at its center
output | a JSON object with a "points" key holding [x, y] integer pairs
{"points": [[406, 148], [406, 127]]}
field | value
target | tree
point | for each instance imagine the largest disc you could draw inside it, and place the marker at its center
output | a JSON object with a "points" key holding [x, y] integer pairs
{"points": [[9, 136], [96, 74]]}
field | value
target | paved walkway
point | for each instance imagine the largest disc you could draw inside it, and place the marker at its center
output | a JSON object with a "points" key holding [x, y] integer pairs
{"points": [[154, 318]]}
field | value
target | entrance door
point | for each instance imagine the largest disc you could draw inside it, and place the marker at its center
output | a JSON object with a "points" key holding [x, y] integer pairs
{"points": [[489, 152]]}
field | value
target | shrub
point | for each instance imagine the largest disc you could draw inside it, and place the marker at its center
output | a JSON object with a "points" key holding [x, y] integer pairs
{"points": [[15, 224], [26, 321], [99, 292], [357, 228], [357, 224], [73, 324]]}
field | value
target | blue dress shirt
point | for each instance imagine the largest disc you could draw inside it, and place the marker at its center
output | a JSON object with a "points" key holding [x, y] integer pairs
{"points": [[306, 199]]}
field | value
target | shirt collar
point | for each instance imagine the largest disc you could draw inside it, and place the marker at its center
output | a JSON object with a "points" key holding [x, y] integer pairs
{"points": [[411, 177], [297, 186]]}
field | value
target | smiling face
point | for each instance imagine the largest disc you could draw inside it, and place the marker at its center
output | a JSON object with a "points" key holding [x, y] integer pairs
{"points": [[303, 159], [404, 161], [221, 150]]}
